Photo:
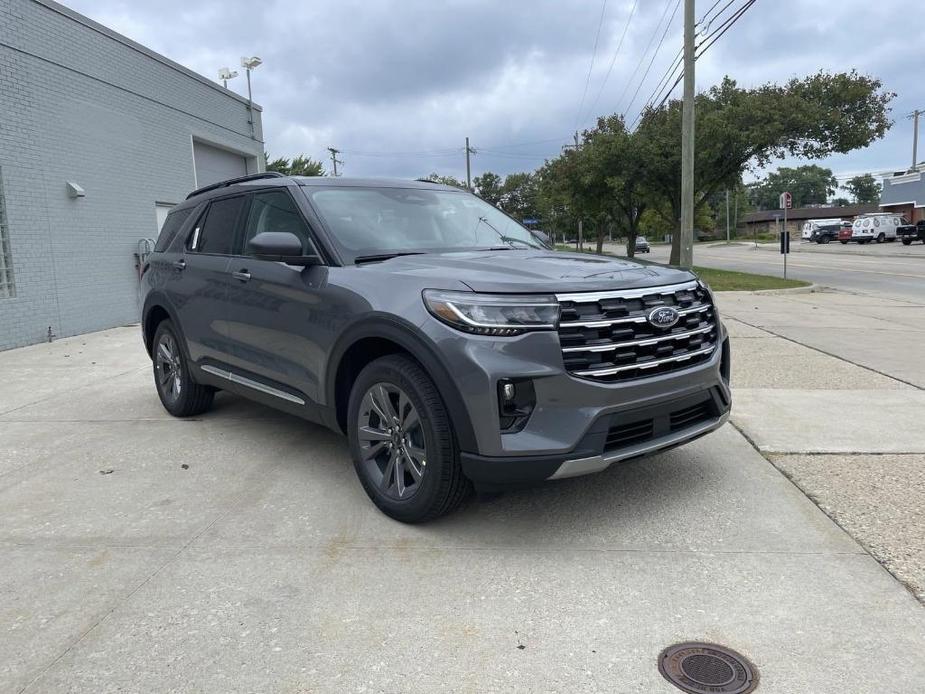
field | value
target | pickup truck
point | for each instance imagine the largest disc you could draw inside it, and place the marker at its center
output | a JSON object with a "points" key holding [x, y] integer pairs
{"points": [[907, 233]]}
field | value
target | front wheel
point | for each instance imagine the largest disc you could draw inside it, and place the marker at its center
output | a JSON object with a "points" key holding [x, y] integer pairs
{"points": [[881, 237], [402, 442], [843, 243], [908, 242], [179, 394]]}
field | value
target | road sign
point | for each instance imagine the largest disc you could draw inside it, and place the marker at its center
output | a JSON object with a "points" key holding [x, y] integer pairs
{"points": [[784, 243], [786, 201], [785, 247]]}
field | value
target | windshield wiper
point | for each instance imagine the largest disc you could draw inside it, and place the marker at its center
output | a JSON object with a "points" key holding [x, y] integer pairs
{"points": [[383, 256], [510, 240]]}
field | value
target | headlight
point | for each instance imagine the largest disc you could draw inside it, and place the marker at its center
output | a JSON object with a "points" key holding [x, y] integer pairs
{"points": [[493, 314]]}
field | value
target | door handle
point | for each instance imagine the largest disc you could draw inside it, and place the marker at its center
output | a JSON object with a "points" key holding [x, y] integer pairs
{"points": [[179, 264], [242, 275]]}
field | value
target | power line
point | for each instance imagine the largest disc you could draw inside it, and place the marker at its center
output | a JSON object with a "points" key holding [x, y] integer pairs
{"points": [[704, 46], [654, 55], [644, 54], [597, 36], [613, 60], [724, 27]]}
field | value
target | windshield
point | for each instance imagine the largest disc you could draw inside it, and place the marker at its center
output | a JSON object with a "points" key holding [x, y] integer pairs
{"points": [[380, 221]]}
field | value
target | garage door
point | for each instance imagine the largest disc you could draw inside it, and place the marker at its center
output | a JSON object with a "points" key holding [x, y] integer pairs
{"points": [[214, 164]]}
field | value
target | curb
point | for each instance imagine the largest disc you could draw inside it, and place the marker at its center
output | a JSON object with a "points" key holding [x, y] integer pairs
{"points": [[811, 289]]}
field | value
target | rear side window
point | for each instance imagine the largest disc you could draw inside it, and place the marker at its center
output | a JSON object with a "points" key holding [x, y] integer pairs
{"points": [[172, 225], [216, 234], [275, 211]]}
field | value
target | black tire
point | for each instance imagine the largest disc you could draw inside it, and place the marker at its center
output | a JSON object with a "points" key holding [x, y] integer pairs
{"points": [[843, 243], [442, 487], [881, 237], [907, 242], [825, 239], [180, 395]]}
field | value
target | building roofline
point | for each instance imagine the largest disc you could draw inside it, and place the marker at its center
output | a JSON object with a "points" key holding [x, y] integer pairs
{"points": [[801, 213], [134, 45]]}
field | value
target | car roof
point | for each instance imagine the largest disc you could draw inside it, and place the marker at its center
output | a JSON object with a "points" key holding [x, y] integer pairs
{"points": [[269, 180]]}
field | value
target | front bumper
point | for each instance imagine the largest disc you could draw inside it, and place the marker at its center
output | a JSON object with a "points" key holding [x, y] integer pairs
{"points": [[612, 438]]}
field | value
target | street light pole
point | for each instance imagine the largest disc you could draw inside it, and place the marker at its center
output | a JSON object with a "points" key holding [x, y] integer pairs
{"points": [[686, 255], [249, 64]]}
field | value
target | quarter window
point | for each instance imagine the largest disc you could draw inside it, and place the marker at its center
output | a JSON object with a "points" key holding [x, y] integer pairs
{"points": [[171, 226], [275, 211], [7, 284], [216, 233]]}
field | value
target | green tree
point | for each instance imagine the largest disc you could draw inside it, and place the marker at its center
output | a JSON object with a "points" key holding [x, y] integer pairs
{"points": [[445, 180], [809, 185], [810, 117], [841, 202], [300, 165], [864, 189], [488, 187], [518, 196]]}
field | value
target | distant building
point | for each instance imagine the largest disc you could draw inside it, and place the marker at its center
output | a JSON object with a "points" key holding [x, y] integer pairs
{"points": [[99, 137], [905, 193], [770, 221]]}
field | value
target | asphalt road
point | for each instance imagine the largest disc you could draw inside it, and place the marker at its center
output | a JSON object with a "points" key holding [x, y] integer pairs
{"points": [[890, 270]]}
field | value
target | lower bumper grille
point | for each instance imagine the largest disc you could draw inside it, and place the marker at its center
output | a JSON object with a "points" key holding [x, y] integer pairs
{"points": [[632, 428], [608, 336]]}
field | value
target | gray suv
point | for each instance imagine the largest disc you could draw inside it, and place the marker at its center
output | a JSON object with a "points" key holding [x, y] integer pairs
{"points": [[437, 333]]}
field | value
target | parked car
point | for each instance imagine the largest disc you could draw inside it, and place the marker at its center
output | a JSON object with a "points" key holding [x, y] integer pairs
{"points": [[912, 232], [823, 230], [877, 226], [642, 246], [432, 329]]}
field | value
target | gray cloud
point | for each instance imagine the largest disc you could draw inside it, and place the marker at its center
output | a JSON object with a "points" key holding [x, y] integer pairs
{"points": [[399, 85]]}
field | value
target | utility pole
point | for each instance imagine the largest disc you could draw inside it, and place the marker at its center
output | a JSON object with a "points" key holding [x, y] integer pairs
{"points": [[727, 215], [915, 137], [686, 255], [469, 150], [334, 160]]}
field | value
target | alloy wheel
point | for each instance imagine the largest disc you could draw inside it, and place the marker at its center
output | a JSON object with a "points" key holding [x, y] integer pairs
{"points": [[391, 439], [169, 367]]}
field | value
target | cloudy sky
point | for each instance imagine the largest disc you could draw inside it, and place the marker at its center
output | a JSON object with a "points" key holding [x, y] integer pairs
{"points": [[399, 85]]}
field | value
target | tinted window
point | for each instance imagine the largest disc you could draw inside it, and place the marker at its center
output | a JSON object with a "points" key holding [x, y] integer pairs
{"points": [[171, 226], [275, 211], [217, 234]]}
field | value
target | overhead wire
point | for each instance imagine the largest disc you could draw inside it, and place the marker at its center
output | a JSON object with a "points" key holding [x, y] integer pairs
{"points": [[613, 61], [597, 36]]}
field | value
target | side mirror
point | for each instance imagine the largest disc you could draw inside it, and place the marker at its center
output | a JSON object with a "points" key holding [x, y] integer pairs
{"points": [[281, 246]]}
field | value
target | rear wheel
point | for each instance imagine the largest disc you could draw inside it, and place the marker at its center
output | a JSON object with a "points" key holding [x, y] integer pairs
{"points": [[179, 394], [843, 243], [402, 442], [907, 242]]}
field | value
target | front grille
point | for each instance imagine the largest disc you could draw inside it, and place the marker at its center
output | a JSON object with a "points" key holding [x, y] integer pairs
{"points": [[607, 336]]}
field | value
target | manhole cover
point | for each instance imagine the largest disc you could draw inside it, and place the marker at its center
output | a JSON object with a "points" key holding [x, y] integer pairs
{"points": [[701, 668]]}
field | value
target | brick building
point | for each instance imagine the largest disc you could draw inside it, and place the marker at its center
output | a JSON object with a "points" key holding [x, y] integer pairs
{"points": [[99, 136]]}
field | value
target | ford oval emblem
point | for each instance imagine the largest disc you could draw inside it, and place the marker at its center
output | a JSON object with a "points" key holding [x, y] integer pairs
{"points": [[664, 317]]}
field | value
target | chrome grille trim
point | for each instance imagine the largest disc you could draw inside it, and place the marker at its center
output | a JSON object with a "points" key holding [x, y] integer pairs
{"points": [[617, 321], [645, 365], [642, 343], [607, 337], [589, 297]]}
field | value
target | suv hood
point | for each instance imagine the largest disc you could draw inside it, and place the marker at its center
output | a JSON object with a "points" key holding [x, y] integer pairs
{"points": [[535, 271]]}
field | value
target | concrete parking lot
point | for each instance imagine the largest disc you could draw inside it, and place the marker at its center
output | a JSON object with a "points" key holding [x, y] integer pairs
{"points": [[237, 551]]}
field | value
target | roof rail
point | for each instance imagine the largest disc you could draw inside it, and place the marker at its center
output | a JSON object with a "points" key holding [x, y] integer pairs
{"points": [[232, 181]]}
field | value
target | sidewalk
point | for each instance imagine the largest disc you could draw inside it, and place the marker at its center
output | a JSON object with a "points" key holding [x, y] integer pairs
{"points": [[236, 552], [838, 410]]}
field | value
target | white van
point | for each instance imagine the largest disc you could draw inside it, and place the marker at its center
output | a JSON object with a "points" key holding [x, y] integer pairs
{"points": [[878, 226]]}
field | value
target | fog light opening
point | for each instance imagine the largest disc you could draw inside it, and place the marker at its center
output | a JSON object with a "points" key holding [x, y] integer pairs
{"points": [[516, 400]]}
